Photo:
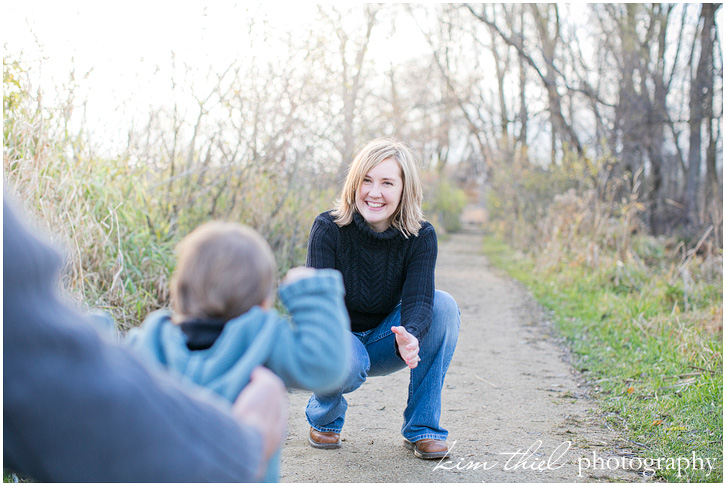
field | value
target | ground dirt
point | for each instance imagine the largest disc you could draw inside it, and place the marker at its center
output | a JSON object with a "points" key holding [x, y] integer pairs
{"points": [[515, 409]]}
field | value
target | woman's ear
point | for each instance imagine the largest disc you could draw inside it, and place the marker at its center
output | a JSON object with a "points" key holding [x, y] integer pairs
{"points": [[268, 301]]}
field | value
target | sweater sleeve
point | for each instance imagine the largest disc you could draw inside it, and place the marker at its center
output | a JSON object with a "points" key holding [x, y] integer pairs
{"points": [[78, 408], [417, 296], [145, 339], [322, 243], [313, 353]]}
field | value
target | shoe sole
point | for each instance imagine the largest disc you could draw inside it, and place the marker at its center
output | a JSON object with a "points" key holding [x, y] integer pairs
{"points": [[424, 455], [321, 445]]}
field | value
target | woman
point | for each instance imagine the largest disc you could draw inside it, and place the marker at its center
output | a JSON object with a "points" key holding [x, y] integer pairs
{"points": [[377, 238]]}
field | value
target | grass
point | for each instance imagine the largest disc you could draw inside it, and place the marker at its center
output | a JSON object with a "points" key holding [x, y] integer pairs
{"points": [[655, 368]]}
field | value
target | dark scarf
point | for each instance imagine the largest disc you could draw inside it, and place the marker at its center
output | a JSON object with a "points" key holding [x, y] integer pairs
{"points": [[202, 332]]}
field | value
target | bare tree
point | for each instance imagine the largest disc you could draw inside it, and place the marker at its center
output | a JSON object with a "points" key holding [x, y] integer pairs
{"points": [[547, 23], [701, 87], [346, 72]]}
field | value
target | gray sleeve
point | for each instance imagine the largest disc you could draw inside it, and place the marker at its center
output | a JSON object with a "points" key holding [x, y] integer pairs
{"points": [[77, 408]]}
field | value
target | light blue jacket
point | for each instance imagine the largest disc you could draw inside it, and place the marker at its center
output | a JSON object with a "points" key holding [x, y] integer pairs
{"points": [[309, 351]]}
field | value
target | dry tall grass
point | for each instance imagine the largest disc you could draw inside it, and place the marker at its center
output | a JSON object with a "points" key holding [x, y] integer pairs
{"points": [[118, 219]]}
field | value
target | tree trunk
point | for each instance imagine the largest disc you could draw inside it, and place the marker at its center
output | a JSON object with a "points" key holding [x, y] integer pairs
{"points": [[700, 87], [657, 123], [351, 84]]}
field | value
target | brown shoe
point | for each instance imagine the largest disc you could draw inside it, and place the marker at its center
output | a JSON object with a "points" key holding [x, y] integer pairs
{"points": [[324, 440], [428, 448]]}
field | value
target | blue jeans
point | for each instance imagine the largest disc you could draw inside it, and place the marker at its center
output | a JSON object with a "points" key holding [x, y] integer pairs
{"points": [[373, 354]]}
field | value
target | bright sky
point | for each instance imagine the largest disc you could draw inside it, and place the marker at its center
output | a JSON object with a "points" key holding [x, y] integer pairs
{"points": [[121, 41], [124, 44], [133, 29], [117, 38]]}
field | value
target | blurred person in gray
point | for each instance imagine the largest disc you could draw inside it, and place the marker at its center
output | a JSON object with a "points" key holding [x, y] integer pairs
{"points": [[80, 408]]}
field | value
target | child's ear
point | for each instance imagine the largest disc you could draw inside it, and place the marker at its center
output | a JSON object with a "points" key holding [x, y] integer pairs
{"points": [[267, 302]]}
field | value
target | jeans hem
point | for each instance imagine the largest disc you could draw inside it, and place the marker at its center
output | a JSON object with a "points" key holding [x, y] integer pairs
{"points": [[426, 436], [325, 429]]}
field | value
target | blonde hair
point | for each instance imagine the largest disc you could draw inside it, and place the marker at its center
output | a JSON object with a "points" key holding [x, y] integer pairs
{"points": [[224, 269], [408, 216]]}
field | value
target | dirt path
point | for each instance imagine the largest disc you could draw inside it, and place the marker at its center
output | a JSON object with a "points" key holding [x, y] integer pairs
{"points": [[511, 401]]}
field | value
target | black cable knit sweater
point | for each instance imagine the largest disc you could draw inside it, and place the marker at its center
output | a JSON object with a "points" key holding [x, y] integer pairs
{"points": [[379, 270]]}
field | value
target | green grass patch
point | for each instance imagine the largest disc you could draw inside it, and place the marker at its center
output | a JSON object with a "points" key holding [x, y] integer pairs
{"points": [[656, 369]]}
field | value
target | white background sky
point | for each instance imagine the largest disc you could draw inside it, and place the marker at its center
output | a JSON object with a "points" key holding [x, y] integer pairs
{"points": [[123, 45], [119, 39]]}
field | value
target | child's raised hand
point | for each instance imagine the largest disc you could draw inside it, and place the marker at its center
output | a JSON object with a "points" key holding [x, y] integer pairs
{"points": [[298, 273]]}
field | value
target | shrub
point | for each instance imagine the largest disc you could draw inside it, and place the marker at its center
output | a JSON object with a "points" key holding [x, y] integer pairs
{"points": [[446, 206]]}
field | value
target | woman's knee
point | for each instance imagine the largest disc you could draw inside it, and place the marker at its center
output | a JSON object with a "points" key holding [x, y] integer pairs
{"points": [[360, 365], [446, 310], [444, 330]]}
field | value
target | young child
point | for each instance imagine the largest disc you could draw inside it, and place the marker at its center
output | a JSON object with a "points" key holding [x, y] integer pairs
{"points": [[223, 325]]}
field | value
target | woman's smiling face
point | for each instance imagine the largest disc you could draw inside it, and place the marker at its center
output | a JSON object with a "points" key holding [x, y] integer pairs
{"points": [[379, 194]]}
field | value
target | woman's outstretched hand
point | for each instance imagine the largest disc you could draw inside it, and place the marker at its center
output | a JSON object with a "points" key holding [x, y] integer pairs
{"points": [[407, 346]]}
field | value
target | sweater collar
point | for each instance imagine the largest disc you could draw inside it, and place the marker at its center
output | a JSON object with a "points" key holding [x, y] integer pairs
{"points": [[370, 233], [201, 333]]}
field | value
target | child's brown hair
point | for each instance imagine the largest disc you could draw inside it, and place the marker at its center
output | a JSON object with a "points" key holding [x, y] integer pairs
{"points": [[224, 269]]}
